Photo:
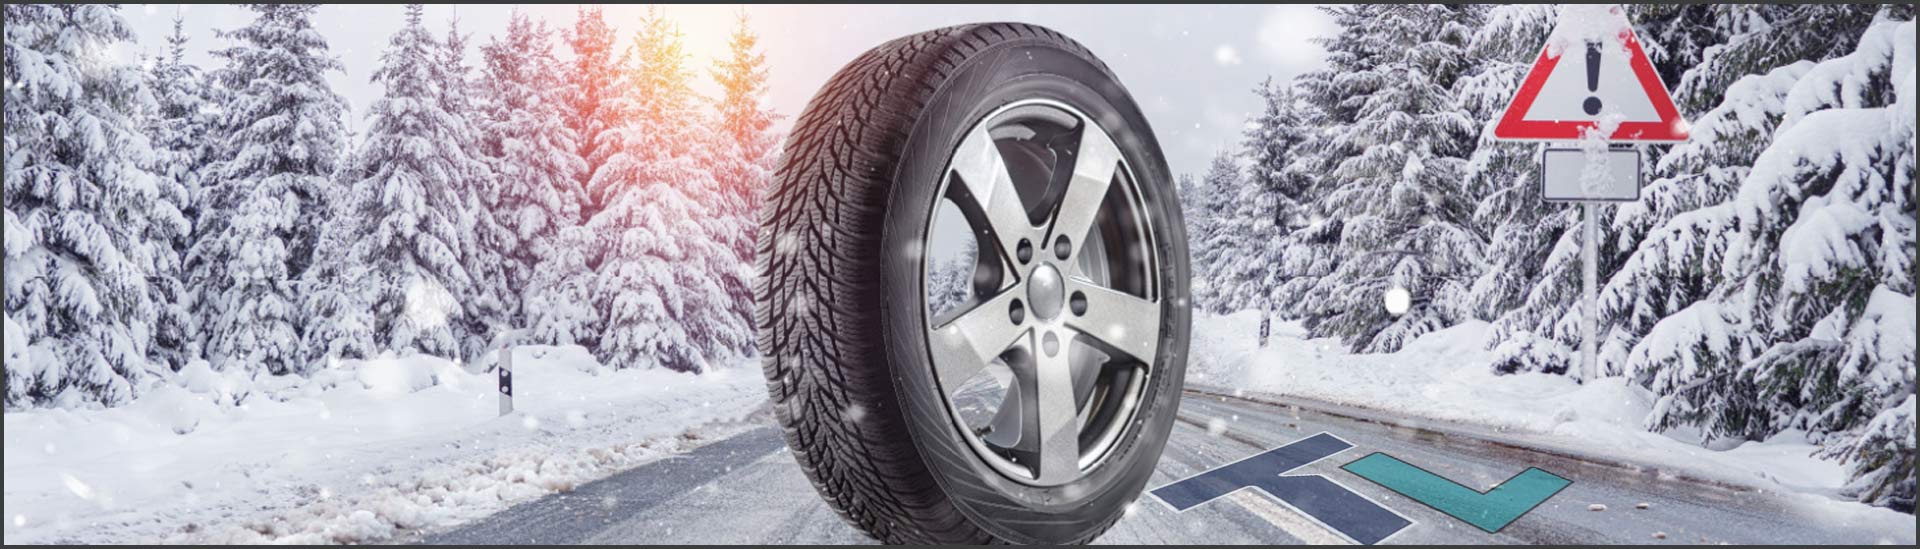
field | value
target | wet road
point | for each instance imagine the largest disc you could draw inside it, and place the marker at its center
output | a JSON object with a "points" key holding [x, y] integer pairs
{"points": [[745, 489]]}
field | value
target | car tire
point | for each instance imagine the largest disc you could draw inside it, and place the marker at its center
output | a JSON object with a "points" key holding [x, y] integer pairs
{"points": [[854, 358]]}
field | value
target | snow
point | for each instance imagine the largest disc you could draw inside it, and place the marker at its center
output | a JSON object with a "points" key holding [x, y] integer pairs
{"points": [[357, 453], [1890, 313], [1445, 376], [1582, 24]]}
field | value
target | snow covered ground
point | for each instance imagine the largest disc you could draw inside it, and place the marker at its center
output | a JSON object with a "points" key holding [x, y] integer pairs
{"points": [[1444, 376], [357, 454]]}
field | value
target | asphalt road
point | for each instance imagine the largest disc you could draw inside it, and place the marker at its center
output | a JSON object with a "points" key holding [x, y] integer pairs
{"points": [[745, 489]]}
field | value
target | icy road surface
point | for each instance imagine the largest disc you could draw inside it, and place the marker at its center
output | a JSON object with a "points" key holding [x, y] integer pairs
{"points": [[747, 490]]}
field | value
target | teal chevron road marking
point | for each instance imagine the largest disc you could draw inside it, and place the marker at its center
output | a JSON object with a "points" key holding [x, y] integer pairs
{"points": [[1490, 510]]}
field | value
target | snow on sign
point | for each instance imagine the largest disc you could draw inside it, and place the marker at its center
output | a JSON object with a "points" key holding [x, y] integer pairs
{"points": [[1592, 78]]}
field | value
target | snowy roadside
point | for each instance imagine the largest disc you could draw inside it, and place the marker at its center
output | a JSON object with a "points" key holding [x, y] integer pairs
{"points": [[1445, 377], [360, 454]]}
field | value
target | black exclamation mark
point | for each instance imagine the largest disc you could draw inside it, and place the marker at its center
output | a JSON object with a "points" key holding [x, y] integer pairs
{"points": [[1593, 78]]}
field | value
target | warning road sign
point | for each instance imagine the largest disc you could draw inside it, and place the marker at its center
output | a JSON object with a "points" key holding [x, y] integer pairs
{"points": [[1592, 76]]}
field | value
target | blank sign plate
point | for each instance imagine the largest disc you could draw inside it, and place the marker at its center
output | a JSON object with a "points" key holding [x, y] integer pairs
{"points": [[1574, 175]]}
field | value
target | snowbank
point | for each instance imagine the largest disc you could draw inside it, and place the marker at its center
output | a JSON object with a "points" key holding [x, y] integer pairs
{"points": [[1446, 376], [358, 453]]}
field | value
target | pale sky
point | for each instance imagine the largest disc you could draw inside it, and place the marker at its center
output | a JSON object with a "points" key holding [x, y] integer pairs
{"points": [[1192, 68]]}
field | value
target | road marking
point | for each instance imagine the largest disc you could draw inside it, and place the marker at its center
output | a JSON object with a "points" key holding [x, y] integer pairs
{"points": [[1491, 510], [1320, 499]]}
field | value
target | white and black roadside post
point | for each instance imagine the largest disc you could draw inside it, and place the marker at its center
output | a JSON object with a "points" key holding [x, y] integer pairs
{"points": [[506, 380], [1590, 111], [1266, 326]]}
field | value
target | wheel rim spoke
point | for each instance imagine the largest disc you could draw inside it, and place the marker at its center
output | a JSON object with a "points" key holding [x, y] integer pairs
{"points": [[1054, 424], [1117, 321], [989, 189], [1095, 162], [974, 337]]}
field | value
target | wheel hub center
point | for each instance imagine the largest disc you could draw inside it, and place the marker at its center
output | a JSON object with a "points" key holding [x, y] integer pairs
{"points": [[1046, 292]]}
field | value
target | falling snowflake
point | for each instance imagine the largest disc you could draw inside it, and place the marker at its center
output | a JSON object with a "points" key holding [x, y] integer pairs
{"points": [[1216, 426], [1398, 301], [1226, 56], [74, 485]]}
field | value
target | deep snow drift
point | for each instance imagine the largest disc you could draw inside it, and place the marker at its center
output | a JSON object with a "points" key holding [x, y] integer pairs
{"points": [[358, 453]]}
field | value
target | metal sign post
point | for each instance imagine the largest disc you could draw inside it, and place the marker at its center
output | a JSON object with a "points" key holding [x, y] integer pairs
{"points": [[1606, 90]]}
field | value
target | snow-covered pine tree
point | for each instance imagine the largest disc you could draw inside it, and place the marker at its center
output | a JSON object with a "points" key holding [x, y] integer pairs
{"points": [[1749, 39], [1263, 210], [1189, 187], [1521, 229], [536, 168], [1677, 37], [337, 294], [1190, 211], [410, 204], [1880, 459], [744, 162], [1204, 202], [1312, 253], [593, 87], [277, 136], [1807, 318], [745, 120], [492, 303], [1395, 162], [560, 300], [178, 131], [660, 285], [80, 198]]}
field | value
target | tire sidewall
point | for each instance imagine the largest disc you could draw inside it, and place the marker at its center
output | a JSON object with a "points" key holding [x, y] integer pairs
{"points": [[1003, 73]]}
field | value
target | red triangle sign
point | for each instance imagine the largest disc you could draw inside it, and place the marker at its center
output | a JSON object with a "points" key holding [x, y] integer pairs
{"points": [[1605, 81]]}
